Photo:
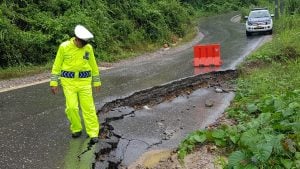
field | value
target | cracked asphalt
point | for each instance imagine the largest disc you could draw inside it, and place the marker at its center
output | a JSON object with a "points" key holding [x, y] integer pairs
{"points": [[34, 130], [163, 122]]}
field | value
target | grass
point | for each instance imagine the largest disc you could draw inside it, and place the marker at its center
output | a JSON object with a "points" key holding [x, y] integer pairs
{"points": [[276, 78], [21, 71], [266, 107], [146, 48], [274, 68]]}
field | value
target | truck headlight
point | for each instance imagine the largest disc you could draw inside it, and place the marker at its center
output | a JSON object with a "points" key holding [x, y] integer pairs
{"points": [[268, 22]]}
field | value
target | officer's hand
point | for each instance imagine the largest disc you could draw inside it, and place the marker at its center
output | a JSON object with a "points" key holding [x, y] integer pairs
{"points": [[54, 89], [97, 88]]}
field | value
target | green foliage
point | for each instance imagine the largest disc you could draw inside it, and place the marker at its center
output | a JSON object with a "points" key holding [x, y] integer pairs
{"points": [[236, 159], [293, 7], [176, 17], [32, 30], [266, 108], [217, 6], [258, 141]]}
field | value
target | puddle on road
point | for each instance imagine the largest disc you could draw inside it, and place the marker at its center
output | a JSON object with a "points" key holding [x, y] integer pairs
{"points": [[80, 154], [151, 158]]}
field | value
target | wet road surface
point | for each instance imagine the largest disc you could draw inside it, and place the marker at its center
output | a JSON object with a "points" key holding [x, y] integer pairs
{"points": [[162, 124], [33, 127]]}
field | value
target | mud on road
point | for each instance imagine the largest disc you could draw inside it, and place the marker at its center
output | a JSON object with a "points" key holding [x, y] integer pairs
{"points": [[109, 154]]}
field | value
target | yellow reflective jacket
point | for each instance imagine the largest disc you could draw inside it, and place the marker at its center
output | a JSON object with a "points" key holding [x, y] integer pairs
{"points": [[73, 59]]}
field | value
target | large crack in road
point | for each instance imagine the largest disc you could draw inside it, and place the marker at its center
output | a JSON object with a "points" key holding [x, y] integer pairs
{"points": [[114, 147]]}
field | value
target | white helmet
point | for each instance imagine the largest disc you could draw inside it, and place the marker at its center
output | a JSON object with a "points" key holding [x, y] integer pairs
{"points": [[82, 33]]}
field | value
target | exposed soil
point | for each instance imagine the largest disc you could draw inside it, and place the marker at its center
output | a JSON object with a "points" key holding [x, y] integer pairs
{"points": [[222, 81], [158, 94], [206, 156]]}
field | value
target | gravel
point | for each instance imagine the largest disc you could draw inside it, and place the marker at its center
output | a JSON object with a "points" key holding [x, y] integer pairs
{"points": [[14, 83]]}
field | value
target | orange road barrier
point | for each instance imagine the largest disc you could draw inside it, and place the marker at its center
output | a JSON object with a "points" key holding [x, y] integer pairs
{"points": [[207, 55]]}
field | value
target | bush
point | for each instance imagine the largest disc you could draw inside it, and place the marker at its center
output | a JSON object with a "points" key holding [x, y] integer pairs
{"points": [[32, 30], [293, 6]]}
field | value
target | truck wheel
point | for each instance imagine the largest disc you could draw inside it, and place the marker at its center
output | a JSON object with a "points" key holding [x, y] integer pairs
{"points": [[248, 33]]}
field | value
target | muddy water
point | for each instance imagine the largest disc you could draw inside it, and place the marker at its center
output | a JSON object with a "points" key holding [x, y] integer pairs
{"points": [[151, 158]]}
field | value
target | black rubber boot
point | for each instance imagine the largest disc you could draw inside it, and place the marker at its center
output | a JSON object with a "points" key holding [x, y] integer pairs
{"points": [[94, 140], [76, 134]]}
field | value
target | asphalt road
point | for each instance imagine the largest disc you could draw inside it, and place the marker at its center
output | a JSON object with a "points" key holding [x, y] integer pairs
{"points": [[33, 127]]}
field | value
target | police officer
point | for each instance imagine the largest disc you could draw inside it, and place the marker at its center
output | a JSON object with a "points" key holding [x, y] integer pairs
{"points": [[76, 68]]}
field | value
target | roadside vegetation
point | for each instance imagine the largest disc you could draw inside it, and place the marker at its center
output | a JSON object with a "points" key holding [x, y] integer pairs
{"points": [[267, 103], [265, 109], [32, 30]]}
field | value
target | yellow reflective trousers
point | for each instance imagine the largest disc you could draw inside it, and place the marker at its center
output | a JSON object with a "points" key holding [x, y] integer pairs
{"points": [[79, 92]]}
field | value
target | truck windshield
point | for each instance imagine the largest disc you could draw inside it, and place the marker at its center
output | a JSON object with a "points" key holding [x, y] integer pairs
{"points": [[259, 14]]}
